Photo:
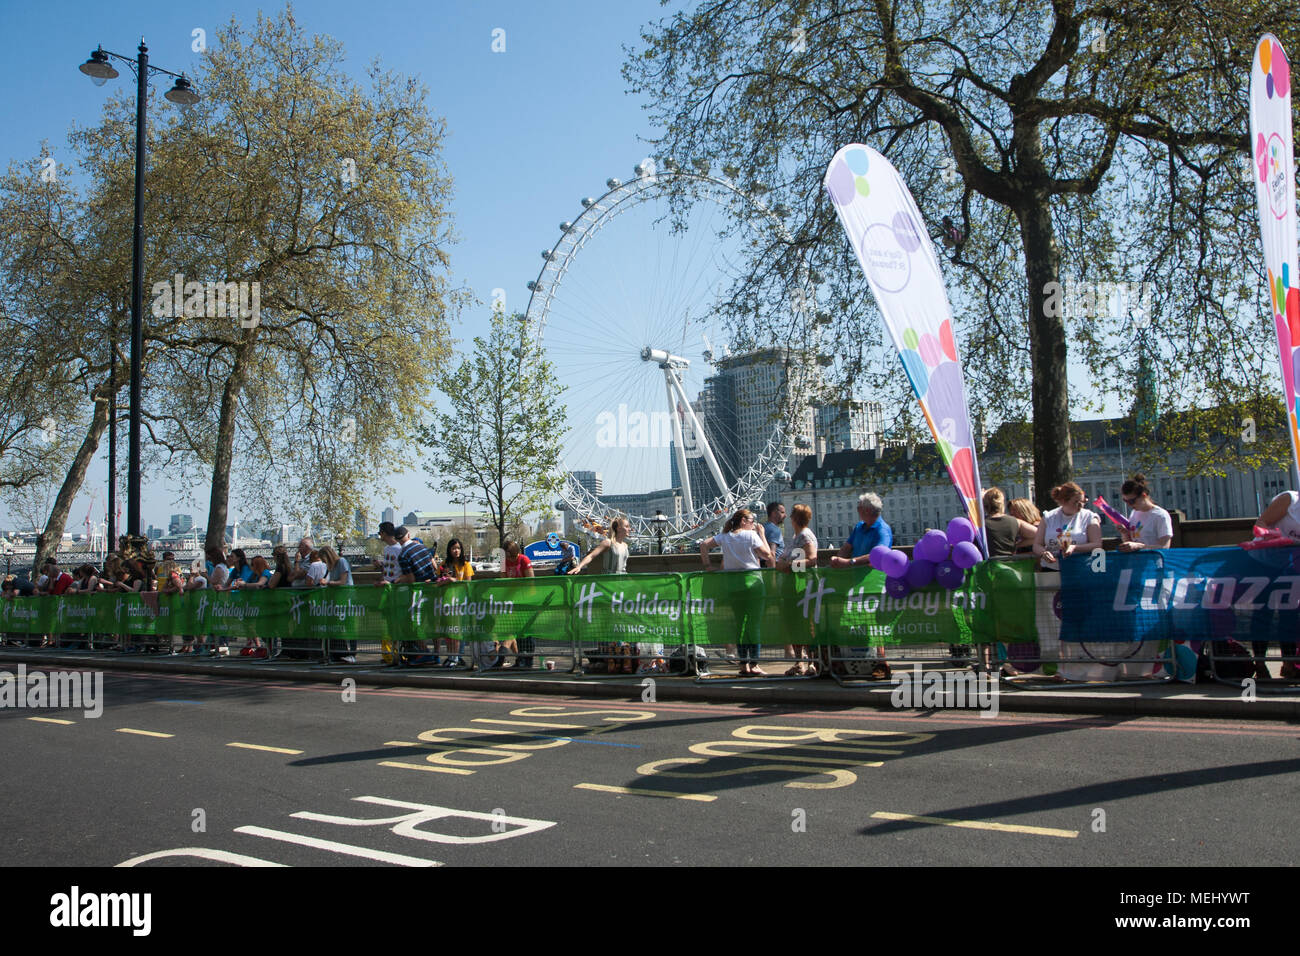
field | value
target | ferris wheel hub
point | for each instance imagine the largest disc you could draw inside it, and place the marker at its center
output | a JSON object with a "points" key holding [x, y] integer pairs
{"points": [[664, 359]]}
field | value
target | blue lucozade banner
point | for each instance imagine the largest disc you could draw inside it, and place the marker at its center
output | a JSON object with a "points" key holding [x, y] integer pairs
{"points": [[1182, 594]]}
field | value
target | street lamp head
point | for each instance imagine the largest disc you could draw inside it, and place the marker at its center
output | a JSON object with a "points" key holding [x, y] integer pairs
{"points": [[182, 93], [98, 68]]}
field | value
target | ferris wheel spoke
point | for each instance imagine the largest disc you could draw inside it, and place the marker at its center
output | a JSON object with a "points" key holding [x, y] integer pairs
{"points": [[624, 279]]}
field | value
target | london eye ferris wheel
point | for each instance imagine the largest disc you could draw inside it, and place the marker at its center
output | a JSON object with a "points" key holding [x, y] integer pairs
{"points": [[667, 424]]}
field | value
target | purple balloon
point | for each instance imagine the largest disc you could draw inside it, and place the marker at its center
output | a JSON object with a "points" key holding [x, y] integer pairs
{"points": [[895, 564], [932, 547], [967, 555], [959, 530], [920, 573], [879, 557], [897, 588], [949, 575]]}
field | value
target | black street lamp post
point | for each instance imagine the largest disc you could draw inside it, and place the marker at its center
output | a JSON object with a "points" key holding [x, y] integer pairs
{"points": [[99, 69]]}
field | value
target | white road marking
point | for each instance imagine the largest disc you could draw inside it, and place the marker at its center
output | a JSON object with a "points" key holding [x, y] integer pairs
{"points": [[382, 856]]}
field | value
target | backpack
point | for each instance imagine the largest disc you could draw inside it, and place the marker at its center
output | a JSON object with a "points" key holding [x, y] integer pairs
{"points": [[677, 661]]}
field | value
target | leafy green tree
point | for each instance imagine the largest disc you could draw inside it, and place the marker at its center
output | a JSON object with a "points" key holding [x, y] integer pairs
{"points": [[498, 446], [1066, 145], [327, 198]]}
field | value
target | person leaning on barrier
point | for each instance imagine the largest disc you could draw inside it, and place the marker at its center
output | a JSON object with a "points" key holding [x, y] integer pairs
{"points": [[14, 588], [1028, 512], [1007, 534], [57, 581], [1066, 529], [299, 578], [515, 565], [338, 573], [1282, 514], [870, 532], [1150, 527], [282, 575], [217, 568], [743, 548], [803, 547], [241, 572], [614, 548], [612, 656], [416, 566], [772, 530], [454, 567]]}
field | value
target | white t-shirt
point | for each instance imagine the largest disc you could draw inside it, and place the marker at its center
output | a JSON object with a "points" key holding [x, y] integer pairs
{"points": [[738, 550], [1290, 523], [391, 569], [1057, 524], [805, 540], [1151, 526], [316, 572]]}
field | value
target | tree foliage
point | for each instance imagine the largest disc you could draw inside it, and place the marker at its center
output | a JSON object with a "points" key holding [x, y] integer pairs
{"points": [[329, 197], [498, 446], [1065, 143]]}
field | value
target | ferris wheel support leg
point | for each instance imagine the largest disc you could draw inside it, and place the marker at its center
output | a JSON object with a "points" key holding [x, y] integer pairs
{"points": [[698, 429], [678, 441]]}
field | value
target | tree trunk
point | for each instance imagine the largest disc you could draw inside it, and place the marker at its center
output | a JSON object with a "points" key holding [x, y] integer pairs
{"points": [[1053, 460], [47, 542], [219, 502]]}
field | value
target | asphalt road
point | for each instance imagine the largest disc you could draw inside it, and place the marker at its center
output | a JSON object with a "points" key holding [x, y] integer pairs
{"points": [[198, 770]]}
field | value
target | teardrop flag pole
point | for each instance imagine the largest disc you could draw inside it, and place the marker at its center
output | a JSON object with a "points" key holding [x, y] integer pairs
{"points": [[1273, 173], [887, 233]]}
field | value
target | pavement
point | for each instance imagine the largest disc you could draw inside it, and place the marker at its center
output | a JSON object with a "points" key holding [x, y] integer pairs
{"points": [[1263, 701]]}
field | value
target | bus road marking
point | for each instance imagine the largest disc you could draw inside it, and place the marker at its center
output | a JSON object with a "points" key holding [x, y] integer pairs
{"points": [[976, 824], [637, 792], [274, 750]]}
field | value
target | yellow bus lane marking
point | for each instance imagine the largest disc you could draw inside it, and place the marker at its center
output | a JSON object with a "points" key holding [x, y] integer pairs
{"points": [[142, 733], [50, 720], [637, 792], [423, 766], [976, 824], [274, 750]]}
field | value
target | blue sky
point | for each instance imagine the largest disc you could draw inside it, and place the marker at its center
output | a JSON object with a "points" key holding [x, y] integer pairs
{"points": [[531, 130]]}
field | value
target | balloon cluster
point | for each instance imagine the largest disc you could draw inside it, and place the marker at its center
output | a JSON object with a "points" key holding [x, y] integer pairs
{"points": [[938, 556]]}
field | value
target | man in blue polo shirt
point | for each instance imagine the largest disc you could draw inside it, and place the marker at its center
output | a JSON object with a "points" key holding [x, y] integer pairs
{"points": [[867, 534]]}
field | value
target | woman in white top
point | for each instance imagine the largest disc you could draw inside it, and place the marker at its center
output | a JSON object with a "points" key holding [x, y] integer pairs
{"points": [[743, 547], [1151, 528], [803, 548], [617, 656], [1282, 513], [1068, 529]]}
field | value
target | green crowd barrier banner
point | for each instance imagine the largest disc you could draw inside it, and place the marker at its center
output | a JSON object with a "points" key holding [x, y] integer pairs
{"points": [[848, 606], [1004, 598], [32, 616], [631, 608], [823, 606]]}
